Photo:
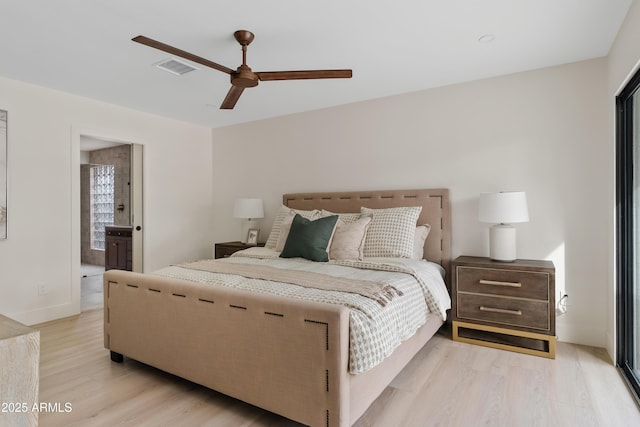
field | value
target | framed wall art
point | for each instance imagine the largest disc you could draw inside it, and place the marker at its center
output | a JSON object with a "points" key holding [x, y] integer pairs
{"points": [[3, 174]]}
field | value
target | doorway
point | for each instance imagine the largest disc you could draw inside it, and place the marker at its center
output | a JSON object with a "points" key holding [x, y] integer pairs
{"points": [[628, 233], [110, 195]]}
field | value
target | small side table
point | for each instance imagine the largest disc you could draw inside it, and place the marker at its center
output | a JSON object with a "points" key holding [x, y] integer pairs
{"points": [[226, 249], [505, 305]]}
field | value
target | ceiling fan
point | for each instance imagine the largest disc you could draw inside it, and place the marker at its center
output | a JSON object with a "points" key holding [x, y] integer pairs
{"points": [[243, 77]]}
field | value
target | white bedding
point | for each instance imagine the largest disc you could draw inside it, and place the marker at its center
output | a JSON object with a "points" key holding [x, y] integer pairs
{"points": [[375, 331]]}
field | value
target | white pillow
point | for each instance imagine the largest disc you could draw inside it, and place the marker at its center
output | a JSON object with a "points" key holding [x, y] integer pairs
{"points": [[391, 232], [348, 239], [282, 214], [422, 231]]}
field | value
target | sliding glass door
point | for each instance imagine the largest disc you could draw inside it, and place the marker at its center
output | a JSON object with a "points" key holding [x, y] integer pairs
{"points": [[628, 232]]}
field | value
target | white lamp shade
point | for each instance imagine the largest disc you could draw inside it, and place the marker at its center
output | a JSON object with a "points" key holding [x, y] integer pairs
{"points": [[248, 208], [503, 208]]}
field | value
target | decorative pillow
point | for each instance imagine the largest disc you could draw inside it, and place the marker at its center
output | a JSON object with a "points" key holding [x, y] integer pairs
{"points": [[347, 218], [348, 239], [422, 231], [391, 232], [285, 227], [272, 241], [309, 239]]}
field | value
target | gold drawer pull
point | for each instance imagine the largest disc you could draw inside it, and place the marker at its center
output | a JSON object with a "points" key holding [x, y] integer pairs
{"points": [[501, 310], [496, 283]]}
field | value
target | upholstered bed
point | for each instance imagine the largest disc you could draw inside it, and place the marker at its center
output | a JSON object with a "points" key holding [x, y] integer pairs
{"points": [[288, 355]]}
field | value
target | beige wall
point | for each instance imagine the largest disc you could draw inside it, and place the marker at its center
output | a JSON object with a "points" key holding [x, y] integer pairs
{"points": [[43, 247], [541, 131]]}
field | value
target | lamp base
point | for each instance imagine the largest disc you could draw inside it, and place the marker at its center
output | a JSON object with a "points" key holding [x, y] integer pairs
{"points": [[502, 243]]}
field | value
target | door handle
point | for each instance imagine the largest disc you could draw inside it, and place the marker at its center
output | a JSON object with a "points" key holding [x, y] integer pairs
{"points": [[497, 283], [501, 310]]}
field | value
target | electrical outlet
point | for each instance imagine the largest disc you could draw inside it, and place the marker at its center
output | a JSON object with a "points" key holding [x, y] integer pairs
{"points": [[42, 289], [562, 304]]}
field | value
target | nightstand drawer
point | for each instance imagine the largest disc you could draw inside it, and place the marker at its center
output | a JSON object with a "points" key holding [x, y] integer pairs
{"points": [[504, 311], [521, 284]]}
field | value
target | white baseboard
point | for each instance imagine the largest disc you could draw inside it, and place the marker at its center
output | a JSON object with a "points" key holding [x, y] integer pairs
{"points": [[45, 314], [577, 334], [611, 346]]}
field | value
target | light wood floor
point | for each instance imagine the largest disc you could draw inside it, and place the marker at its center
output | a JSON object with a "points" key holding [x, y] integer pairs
{"points": [[446, 384]]}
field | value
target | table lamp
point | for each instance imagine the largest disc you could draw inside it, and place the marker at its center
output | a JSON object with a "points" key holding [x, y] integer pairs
{"points": [[503, 209]]}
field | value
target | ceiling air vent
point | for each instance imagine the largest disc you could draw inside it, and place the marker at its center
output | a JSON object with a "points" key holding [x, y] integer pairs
{"points": [[175, 66]]}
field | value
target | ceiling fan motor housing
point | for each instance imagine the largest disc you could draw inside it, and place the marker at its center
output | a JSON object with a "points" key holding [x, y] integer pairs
{"points": [[244, 77]]}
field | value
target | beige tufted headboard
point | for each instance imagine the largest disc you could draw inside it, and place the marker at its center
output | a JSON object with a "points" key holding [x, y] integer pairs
{"points": [[436, 212]]}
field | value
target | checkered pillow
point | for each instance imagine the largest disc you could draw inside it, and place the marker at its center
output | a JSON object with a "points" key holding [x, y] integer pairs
{"points": [[346, 218], [282, 214], [391, 232]]}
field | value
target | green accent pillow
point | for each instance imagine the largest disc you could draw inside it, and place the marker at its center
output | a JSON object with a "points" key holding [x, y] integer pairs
{"points": [[309, 239]]}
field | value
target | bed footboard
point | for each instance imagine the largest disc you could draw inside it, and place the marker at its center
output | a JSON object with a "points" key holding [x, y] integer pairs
{"points": [[289, 357]]}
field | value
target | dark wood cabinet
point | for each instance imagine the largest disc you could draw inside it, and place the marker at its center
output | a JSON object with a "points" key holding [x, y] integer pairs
{"points": [[510, 306], [226, 249], [118, 253]]}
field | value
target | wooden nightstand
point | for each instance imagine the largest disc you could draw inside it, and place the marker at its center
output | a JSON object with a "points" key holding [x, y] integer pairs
{"points": [[506, 305], [226, 249]]}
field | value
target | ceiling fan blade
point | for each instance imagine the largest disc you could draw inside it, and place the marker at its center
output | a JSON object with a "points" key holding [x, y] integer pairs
{"points": [[303, 75], [231, 98], [181, 53]]}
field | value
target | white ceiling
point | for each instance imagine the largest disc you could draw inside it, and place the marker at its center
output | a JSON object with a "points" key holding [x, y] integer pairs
{"points": [[85, 48]]}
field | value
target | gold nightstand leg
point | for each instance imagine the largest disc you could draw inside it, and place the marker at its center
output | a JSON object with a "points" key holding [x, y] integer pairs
{"points": [[489, 340]]}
